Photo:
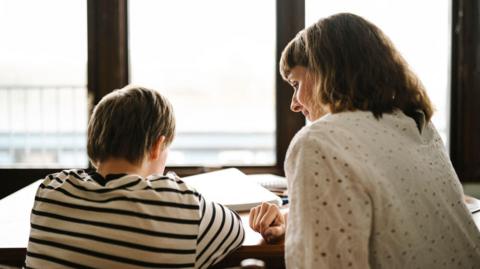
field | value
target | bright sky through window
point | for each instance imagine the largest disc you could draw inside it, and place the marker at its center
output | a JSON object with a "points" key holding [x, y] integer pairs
{"points": [[215, 61], [43, 95]]}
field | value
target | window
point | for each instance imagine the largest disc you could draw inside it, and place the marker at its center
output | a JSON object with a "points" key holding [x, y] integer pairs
{"points": [[43, 95], [58, 30], [420, 30], [217, 68], [37, 53]]}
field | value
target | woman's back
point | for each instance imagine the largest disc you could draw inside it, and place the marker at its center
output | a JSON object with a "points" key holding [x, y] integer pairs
{"points": [[376, 193]]}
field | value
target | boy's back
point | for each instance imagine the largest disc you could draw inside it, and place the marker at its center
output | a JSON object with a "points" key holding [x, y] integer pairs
{"points": [[126, 215], [83, 220]]}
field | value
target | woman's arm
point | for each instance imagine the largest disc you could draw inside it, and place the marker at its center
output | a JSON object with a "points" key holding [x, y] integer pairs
{"points": [[330, 209]]}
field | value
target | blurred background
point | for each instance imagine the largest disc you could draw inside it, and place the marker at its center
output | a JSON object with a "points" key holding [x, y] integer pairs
{"points": [[214, 60]]}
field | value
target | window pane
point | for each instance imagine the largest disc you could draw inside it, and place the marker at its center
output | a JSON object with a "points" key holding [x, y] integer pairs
{"points": [[420, 30], [43, 95], [215, 61]]}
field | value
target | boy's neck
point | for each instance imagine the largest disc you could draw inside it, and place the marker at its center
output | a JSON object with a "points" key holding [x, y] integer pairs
{"points": [[120, 166]]}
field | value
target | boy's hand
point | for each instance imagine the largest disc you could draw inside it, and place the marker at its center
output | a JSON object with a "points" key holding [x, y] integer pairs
{"points": [[268, 221]]}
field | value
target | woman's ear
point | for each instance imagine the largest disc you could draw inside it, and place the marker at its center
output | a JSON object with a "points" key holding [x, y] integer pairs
{"points": [[157, 148]]}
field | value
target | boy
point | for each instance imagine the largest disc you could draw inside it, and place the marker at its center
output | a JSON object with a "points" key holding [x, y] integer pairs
{"points": [[126, 214]]}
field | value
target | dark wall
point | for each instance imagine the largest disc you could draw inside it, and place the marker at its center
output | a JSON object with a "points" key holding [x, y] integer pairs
{"points": [[465, 90]]}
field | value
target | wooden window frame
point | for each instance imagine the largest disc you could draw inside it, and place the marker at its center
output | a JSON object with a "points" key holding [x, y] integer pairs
{"points": [[465, 90], [108, 69]]}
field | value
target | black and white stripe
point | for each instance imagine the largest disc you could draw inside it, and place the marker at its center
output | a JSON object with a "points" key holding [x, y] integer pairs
{"points": [[158, 222]]}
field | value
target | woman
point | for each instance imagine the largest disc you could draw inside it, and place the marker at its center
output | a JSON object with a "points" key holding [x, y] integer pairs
{"points": [[370, 182]]}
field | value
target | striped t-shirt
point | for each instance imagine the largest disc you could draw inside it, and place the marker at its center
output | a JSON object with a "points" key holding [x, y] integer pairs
{"points": [[83, 220]]}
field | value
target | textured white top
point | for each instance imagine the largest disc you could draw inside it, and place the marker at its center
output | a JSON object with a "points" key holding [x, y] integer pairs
{"points": [[368, 193]]}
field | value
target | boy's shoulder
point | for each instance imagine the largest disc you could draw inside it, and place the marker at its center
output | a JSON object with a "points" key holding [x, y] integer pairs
{"points": [[64, 175], [76, 186], [130, 182], [170, 183]]}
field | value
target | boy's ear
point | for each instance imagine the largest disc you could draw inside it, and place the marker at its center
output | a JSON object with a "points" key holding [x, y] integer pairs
{"points": [[157, 148]]}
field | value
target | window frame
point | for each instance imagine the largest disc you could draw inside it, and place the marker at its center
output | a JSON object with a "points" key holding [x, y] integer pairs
{"points": [[108, 69], [465, 90], [290, 19]]}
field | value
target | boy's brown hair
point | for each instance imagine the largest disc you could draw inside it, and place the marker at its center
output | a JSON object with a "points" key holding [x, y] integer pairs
{"points": [[355, 67], [127, 122]]}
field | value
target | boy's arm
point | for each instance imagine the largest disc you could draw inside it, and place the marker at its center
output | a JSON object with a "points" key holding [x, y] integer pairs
{"points": [[220, 233]]}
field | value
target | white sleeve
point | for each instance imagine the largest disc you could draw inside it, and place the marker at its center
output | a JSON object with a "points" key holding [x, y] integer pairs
{"points": [[220, 233], [330, 212]]}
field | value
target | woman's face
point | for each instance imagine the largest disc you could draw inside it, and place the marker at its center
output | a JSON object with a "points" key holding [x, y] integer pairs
{"points": [[302, 99]]}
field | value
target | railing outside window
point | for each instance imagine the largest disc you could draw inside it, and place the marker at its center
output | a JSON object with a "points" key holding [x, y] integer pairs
{"points": [[45, 126]]}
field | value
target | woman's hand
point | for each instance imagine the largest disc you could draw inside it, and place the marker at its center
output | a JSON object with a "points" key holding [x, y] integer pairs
{"points": [[268, 221]]}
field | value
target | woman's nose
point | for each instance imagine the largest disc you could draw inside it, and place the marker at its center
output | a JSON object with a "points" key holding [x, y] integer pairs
{"points": [[295, 106]]}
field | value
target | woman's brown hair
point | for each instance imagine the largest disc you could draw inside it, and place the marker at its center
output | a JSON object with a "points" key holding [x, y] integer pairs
{"points": [[356, 67]]}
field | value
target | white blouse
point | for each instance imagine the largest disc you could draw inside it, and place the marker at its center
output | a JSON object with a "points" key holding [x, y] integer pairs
{"points": [[368, 193]]}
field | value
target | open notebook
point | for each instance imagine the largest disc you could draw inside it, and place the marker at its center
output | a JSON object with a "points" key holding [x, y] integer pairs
{"points": [[473, 204], [232, 188]]}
